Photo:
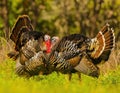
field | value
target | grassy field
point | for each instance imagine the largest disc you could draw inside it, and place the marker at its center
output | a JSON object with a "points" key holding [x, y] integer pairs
{"points": [[11, 83], [108, 82]]}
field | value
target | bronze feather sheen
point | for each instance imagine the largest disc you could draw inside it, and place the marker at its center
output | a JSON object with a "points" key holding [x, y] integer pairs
{"points": [[105, 40]]}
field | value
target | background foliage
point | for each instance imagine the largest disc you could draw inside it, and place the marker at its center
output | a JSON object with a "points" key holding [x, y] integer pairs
{"points": [[61, 17]]}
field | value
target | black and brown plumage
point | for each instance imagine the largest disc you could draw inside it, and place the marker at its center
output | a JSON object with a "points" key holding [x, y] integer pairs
{"points": [[21, 22], [30, 47], [82, 54]]}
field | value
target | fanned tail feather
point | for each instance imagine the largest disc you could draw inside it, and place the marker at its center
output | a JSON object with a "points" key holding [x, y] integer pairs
{"points": [[23, 20], [105, 41]]}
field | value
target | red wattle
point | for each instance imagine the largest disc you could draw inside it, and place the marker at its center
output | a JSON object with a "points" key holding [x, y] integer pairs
{"points": [[48, 46]]}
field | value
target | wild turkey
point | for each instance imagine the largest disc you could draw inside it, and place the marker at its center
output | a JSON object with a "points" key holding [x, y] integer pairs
{"points": [[30, 46], [82, 54]]}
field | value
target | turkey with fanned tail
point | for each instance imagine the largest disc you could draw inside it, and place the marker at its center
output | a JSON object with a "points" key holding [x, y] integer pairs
{"points": [[78, 53], [31, 47]]}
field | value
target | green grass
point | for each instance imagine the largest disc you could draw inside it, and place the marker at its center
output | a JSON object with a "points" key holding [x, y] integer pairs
{"points": [[11, 83]]}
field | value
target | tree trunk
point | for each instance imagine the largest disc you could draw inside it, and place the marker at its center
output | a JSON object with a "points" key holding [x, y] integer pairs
{"points": [[4, 15]]}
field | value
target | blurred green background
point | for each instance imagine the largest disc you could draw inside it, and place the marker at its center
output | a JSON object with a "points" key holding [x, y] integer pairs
{"points": [[62, 17]]}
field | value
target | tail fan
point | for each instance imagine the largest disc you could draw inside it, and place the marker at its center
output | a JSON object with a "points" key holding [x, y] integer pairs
{"points": [[23, 20], [104, 41]]}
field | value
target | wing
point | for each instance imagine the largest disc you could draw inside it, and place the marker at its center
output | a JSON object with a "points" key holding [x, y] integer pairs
{"points": [[22, 21], [36, 63], [33, 66], [87, 67], [30, 45], [67, 53], [31, 54]]}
